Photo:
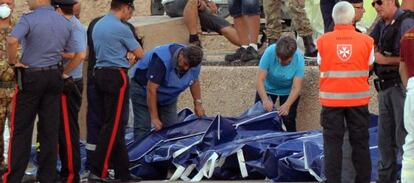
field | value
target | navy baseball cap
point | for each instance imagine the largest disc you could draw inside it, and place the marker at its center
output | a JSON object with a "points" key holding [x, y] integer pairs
{"points": [[63, 2]]}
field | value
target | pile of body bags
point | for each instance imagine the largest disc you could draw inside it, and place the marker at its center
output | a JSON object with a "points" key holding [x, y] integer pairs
{"points": [[253, 145]]}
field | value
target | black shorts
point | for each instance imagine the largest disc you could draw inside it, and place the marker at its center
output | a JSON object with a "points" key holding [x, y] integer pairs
{"points": [[208, 21]]}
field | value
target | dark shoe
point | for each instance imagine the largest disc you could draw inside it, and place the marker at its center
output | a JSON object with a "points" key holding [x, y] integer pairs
{"points": [[235, 56], [310, 48], [249, 55], [94, 178], [132, 178], [196, 43]]}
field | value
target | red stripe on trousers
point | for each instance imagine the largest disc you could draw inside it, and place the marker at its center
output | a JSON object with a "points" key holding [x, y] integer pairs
{"points": [[67, 138], [116, 124], [13, 115]]}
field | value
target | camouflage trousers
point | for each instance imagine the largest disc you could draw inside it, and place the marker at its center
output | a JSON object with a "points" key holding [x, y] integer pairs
{"points": [[296, 10], [5, 100]]}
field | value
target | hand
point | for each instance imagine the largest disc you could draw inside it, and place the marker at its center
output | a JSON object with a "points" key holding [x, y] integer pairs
{"points": [[284, 109], [268, 105], [65, 76], [199, 110], [379, 58], [18, 64], [202, 5], [213, 7], [132, 59], [157, 124]]}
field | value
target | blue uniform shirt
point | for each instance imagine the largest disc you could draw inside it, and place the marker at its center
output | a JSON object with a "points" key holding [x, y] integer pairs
{"points": [[112, 39], [44, 35], [380, 29], [173, 82], [79, 34], [279, 78], [156, 69]]}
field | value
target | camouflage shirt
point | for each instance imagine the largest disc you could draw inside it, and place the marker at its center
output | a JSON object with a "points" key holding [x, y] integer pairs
{"points": [[6, 72]]}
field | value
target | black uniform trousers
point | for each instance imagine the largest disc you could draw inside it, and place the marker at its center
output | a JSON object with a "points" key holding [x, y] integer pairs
{"points": [[69, 149], [40, 95], [357, 120], [94, 118], [111, 86]]}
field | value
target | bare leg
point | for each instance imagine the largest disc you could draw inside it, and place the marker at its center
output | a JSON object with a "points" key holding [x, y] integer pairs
{"points": [[242, 30], [191, 16], [230, 34], [253, 24]]}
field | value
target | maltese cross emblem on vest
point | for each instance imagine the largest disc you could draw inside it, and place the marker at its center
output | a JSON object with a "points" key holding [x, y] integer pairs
{"points": [[344, 51]]}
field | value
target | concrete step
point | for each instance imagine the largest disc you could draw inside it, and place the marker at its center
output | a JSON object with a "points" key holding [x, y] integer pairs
{"points": [[216, 58]]}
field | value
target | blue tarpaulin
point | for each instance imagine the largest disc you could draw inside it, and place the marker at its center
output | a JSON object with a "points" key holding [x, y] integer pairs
{"points": [[250, 146], [253, 145]]}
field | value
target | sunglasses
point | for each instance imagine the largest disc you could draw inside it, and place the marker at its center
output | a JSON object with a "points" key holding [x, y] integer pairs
{"points": [[378, 2]]}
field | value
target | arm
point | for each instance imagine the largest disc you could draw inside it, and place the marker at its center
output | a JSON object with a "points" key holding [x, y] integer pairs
{"points": [[67, 55], [152, 104], [381, 59], [137, 53], [19, 32], [196, 93], [293, 96], [267, 103], [12, 45], [403, 73], [127, 38], [73, 63]]}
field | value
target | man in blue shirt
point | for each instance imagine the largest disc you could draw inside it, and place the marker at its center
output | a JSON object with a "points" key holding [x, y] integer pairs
{"points": [[44, 36], [94, 116], [387, 34], [116, 49], [157, 81], [281, 72], [69, 149]]}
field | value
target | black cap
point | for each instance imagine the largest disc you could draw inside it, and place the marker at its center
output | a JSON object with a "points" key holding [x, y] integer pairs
{"points": [[128, 2], [354, 1], [63, 2]]}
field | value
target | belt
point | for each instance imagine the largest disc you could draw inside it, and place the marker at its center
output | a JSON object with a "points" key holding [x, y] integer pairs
{"points": [[7, 84], [37, 69], [383, 84], [111, 68]]}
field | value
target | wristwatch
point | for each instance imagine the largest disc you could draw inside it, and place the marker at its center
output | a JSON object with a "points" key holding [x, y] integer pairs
{"points": [[198, 101]]}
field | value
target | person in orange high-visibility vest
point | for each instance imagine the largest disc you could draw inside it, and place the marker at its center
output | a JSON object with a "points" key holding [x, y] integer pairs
{"points": [[345, 57]]}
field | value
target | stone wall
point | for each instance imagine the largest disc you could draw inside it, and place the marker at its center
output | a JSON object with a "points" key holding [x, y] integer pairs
{"points": [[94, 8], [230, 90]]}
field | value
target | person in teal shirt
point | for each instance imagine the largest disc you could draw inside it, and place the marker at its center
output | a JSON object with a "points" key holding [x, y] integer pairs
{"points": [[281, 72]]}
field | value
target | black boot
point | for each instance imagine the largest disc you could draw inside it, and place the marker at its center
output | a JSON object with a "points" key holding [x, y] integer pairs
{"points": [[195, 40], [249, 55], [310, 48], [235, 56]]}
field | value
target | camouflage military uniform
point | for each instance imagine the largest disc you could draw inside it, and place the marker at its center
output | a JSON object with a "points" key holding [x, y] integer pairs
{"points": [[6, 84], [273, 12]]}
